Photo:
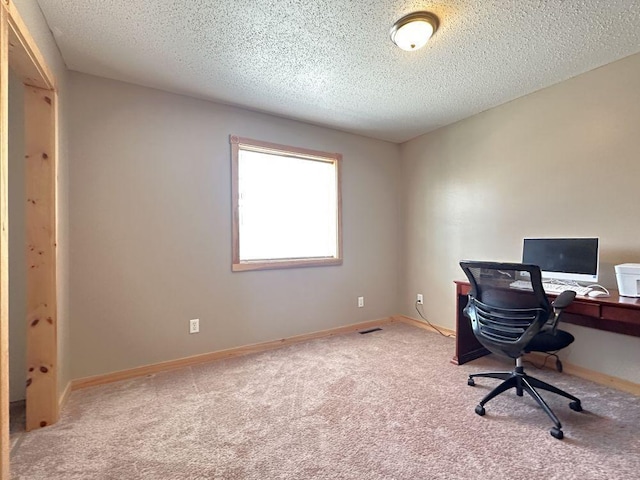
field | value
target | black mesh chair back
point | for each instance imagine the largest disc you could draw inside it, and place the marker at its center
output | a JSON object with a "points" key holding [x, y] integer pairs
{"points": [[504, 318], [510, 319]]}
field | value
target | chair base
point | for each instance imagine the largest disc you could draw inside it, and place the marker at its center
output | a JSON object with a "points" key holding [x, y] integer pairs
{"points": [[522, 382]]}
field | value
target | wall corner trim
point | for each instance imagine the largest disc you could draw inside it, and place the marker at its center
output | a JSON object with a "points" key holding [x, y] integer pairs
{"points": [[62, 401]]}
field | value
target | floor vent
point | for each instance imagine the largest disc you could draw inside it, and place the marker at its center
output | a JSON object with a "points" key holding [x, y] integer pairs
{"points": [[370, 330]]}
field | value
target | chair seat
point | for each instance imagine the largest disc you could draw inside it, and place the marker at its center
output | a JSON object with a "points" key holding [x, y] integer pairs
{"points": [[548, 342]]}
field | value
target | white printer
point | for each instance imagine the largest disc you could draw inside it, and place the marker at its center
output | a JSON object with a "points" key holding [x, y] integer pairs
{"points": [[628, 277]]}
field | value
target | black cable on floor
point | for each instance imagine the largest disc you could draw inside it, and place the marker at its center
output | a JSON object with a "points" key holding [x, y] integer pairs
{"points": [[431, 325], [544, 363]]}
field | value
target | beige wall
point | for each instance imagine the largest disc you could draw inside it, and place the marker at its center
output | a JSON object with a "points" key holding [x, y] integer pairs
{"points": [[17, 250], [151, 231], [39, 30], [563, 161]]}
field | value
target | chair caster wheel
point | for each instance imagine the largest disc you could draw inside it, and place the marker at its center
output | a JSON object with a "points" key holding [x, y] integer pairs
{"points": [[471, 382], [480, 411], [557, 433], [575, 406]]}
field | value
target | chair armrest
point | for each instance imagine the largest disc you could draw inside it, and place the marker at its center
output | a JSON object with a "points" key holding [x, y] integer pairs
{"points": [[559, 304], [563, 300]]}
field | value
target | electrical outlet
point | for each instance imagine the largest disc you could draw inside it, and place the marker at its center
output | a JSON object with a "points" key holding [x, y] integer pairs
{"points": [[194, 325], [360, 302], [420, 299]]}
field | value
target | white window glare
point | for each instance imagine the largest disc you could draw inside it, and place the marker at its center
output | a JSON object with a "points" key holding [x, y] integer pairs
{"points": [[286, 206]]}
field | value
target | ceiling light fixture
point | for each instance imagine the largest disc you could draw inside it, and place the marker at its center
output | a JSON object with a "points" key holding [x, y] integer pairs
{"points": [[413, 31]]}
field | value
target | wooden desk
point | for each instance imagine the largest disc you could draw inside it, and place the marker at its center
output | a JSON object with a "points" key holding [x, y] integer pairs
{"points": [[613, 314]]}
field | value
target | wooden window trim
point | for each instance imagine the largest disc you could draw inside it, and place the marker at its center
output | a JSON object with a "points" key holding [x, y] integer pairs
{"points": [[284, 150]]}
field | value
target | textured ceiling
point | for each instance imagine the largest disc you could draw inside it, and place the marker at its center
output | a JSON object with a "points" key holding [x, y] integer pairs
{"points": [[331, 62]]}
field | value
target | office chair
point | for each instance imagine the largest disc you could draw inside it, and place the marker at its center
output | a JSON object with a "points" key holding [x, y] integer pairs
{"points": [[511, 322]]}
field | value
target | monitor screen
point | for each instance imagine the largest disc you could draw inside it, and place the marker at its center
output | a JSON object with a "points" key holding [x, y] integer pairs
{"points": [[563, 258]]}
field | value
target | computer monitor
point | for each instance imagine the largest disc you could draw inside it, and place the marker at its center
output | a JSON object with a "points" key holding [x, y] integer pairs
{"points": [[574, 259]]}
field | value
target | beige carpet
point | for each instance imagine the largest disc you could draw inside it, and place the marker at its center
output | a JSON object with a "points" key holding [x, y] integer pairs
{"points": [[386, 405]]}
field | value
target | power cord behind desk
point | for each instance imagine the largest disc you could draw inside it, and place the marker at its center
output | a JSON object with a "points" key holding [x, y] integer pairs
{"points": [[450, 335]]}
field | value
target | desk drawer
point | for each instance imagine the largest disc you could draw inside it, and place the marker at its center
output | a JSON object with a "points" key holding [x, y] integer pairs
{"points": [[622, 314], [587, 309]]}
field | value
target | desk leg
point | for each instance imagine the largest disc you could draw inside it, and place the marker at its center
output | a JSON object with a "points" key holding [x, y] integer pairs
{"points": [[467, 346]]}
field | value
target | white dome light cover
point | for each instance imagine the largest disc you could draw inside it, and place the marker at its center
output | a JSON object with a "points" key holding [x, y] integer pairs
{"points": [[413, 31]]}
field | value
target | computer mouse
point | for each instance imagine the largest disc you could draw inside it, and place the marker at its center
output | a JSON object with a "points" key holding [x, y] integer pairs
{"points": [[597, 294]]}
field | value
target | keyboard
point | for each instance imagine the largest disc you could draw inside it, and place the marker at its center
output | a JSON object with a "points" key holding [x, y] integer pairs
{"points": [[551, 287]]}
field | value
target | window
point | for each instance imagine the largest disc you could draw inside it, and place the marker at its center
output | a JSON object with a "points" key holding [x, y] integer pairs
{"points": [[286, 206]]}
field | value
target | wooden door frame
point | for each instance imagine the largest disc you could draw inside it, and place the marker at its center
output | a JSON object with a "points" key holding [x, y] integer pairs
{"points": [[19, 52]]}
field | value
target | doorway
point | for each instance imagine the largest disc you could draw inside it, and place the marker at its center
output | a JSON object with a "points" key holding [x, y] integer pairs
{"points": [[17, 262], [19, 52]]}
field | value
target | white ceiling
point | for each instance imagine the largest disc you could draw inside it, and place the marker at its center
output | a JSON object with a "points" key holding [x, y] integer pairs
{"points": [[331, 62]]}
